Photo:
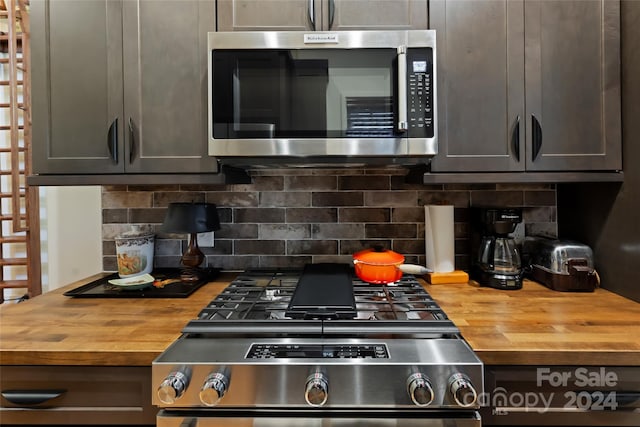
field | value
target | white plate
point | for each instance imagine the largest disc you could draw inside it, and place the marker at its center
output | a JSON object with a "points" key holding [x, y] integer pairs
{"points": [[136, 282]]}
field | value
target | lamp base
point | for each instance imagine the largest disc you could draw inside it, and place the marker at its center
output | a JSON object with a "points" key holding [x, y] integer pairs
{"points": [[191, 274], [191, 259]]}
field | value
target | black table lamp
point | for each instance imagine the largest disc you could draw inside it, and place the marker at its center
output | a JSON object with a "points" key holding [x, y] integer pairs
{"points": [[191, 218]]}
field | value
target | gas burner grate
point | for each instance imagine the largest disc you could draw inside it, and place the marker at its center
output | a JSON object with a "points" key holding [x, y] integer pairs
{"points": [[265, 295]]}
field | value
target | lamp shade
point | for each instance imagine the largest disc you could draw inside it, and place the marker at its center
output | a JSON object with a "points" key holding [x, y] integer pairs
{"points": [[191, 218]]}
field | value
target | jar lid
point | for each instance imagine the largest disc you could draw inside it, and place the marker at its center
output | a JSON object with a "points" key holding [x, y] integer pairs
{"points": [[136, 231], [379, 256]]}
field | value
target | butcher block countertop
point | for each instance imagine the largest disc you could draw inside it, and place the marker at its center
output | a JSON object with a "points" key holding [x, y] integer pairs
{"points": [[537, 326], [531, 326]]}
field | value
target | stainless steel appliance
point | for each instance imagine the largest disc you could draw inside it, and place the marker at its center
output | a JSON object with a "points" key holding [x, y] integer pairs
{"points": [[319, 347], [308, 99], [497, 262], [561, 265]]}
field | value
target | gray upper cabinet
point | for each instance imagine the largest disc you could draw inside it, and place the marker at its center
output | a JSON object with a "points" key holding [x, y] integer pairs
{"points": [[77, 90], [572, 85], [165, 86], [528, 85], [480, 85], [120, 86], [321, 15]]}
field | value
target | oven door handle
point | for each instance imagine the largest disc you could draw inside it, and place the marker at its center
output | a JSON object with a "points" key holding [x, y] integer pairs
{"points": [[402, 89]]}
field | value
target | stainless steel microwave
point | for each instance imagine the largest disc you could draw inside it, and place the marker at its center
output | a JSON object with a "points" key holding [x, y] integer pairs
{"points": [[322, 98]]}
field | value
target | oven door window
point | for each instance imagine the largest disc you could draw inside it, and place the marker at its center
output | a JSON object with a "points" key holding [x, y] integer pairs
{"points": [[330, 93]]}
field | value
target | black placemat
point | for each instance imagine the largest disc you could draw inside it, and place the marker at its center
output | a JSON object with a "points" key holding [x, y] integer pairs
{"points": [[101, 288]]}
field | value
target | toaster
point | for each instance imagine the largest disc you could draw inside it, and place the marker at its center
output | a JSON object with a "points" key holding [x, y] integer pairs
{"points": [[561, 265]]}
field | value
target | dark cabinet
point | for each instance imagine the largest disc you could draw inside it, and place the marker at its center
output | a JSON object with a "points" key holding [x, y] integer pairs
{"points": [[528, 85], [120, 86], [321, 15], [77, 109], [76, 395]]}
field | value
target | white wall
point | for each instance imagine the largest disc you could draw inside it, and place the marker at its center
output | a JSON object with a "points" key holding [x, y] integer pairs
{"points": [[71, 234]]}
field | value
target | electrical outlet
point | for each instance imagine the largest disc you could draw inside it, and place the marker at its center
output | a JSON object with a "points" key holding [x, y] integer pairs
{"points": [[206, 240]]}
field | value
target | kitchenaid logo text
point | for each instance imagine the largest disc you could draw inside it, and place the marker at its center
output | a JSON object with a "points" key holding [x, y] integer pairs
{"points": [[589, 397], [321, 38], [580, 377]]}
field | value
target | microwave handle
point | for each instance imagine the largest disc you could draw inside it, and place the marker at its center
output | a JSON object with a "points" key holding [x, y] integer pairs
{"points": [[402, 89]]}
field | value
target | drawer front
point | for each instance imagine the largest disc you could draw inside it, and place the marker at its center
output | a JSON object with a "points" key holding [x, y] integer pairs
{"points": [[602, 396], [75, 395]]}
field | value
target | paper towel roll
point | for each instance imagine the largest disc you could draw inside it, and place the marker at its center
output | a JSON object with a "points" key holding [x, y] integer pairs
{"points": [[439, 238]]}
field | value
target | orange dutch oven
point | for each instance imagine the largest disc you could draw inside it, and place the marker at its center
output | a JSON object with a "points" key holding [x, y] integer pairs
{"points": [[378, 265]]}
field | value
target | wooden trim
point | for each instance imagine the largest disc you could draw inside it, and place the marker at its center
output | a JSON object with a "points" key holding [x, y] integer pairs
{"points": [[24, 212]]}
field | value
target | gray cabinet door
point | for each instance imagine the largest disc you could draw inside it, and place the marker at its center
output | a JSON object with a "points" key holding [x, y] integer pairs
{"points": [[561, 56], [573, 85], [376, 15], [76, 86], [269, 15], [321, 15], [165, 85], [480, 85]]}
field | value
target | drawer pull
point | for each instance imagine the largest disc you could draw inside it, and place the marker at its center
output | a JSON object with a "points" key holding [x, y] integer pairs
{"points": [[31, 397]]}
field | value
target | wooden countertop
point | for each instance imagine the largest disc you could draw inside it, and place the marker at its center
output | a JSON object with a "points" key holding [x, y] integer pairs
{"points": [[530, 326], [52, 329], [537, 326]]}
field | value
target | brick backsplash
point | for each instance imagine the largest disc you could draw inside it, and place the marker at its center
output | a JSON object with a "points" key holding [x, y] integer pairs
{"points": [[289, 218]]}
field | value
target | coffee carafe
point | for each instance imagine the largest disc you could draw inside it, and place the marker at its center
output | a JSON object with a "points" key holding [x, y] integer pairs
{"points": [[496, 262]]}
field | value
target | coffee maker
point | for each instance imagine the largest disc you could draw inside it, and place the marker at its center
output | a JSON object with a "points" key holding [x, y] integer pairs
{"points": [[496, 259]]}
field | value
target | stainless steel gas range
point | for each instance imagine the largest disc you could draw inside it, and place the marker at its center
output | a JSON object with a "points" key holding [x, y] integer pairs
{"points": [[318, 347]]}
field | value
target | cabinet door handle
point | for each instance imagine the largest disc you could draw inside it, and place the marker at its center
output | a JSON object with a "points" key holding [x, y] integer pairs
{"points": [[515, 139], [536, 134], [31, 397], [630, 399], [332, 12], [112, 140], [132, 140], [312, 14]]}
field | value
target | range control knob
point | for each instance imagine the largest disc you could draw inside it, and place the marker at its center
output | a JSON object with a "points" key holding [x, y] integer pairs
{"points": [[462, 391], [173, 386], [214, 388], [419, 389], [316, 391]]}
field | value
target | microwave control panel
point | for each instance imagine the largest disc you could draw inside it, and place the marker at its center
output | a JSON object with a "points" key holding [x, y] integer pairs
{"points": [[420, 92]]}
